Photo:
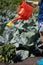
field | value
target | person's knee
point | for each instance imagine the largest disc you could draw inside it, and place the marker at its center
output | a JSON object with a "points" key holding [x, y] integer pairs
{"points": [[41, 36]]}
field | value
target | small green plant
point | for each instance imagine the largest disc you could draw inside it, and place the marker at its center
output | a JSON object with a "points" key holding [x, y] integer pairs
{"points": [[7, 50]]}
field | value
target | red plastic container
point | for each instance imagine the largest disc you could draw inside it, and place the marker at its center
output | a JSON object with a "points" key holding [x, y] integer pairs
{"points": [[24, 10]]}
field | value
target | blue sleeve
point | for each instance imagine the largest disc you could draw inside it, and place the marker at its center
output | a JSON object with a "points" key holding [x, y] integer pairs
{"points": [[40, 2], [40, 14]]}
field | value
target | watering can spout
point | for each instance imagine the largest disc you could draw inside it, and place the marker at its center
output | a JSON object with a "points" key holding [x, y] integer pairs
{"points": [[13, 20]]}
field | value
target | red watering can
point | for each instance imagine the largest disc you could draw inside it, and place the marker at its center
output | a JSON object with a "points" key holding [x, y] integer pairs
{"points": [[24, 11]]}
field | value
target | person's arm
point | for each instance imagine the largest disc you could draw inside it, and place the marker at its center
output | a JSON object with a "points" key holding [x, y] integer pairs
{"points": [[32, 2], [35, 3]]}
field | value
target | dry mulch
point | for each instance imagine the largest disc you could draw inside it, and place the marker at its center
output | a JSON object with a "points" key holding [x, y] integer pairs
{"points": [[29, 61]]}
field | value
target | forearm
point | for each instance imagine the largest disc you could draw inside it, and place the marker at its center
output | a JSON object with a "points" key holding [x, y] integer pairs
{"points": [[35, 3], [32, 2]]}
